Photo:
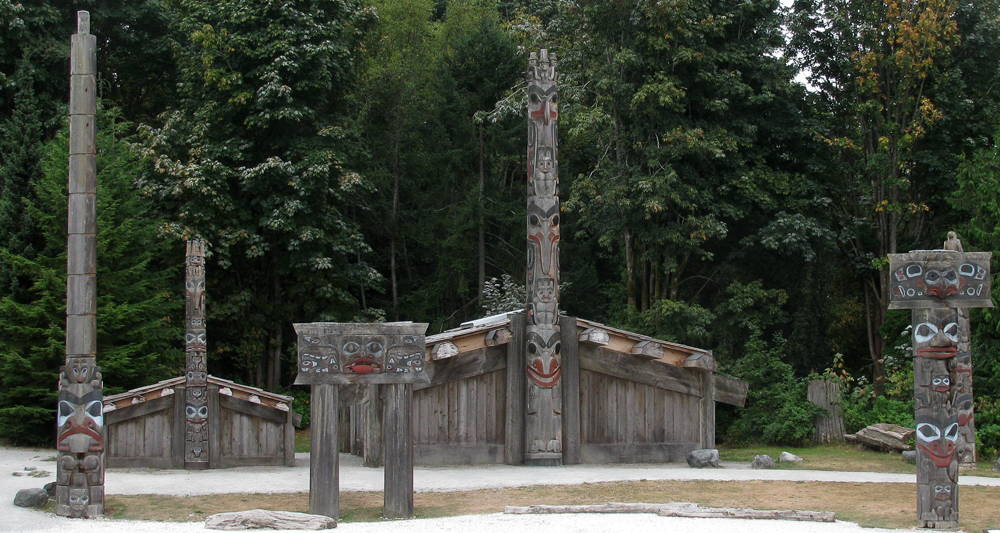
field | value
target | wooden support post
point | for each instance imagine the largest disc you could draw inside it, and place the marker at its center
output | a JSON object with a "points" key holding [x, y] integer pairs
{"points": [[289, 438], [324, 461], [372, 446], [706, 408], [180, 425], [80, 466], [398, 417], [514, 410], [571, 391], [825, 393], [215, 435]]}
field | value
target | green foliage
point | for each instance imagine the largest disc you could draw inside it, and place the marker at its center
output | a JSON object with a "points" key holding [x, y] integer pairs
{"points": [[669, 319], [777, 410], [139, 318]]}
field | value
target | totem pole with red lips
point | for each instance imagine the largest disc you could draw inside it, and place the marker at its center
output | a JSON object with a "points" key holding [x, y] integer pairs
{"points": [[196, 440], [80, 412], [940, 286], [543, 424]]}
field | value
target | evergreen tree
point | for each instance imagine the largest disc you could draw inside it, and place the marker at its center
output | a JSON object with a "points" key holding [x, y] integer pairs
{"points": [[140, 307]]}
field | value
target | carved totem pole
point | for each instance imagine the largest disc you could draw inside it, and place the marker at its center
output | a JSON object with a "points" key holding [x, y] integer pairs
{"points": [[940, 286], [80, 415], [543, 424], [195, 346]]}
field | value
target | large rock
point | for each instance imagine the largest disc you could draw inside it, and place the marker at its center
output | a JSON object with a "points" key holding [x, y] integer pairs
{"points": [[703, 458], [762, 461], [910, 456], [996, 465], [50, 489], [31, 498], [788, 457], [264, 519]]}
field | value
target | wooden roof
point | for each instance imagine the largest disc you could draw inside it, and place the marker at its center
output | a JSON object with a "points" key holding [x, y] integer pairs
{"points": [[226, 387]]}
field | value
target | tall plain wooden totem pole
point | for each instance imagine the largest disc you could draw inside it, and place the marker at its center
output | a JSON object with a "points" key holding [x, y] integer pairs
{"points": [[543, 423], [196, 441], [80, 416], [940, 286]]}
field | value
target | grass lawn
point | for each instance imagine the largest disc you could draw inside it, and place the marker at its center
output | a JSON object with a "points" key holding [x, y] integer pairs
{"points": [[869, 504], [841, 457]]}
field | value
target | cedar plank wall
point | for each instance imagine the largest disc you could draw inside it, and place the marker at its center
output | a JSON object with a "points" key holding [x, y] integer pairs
{"points": [[243, 433], [461, 421]]}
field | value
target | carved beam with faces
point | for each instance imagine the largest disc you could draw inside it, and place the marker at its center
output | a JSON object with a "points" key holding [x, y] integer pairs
{"points": [[703, 361], [649, 349], [931, 278], [596, 336]]}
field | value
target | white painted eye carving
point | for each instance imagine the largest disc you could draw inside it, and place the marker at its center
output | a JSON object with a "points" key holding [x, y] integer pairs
{"points": [[936, 381], [66, 410], [968, 269], [374, 347], [951, 432], [913, 270], [351, 347], [95, 411], [928, 432], [951, 331], [924, 332], [946, 381]]}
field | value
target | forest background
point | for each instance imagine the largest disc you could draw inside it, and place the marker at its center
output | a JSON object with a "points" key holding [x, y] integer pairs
{"points": [[733, 174]]}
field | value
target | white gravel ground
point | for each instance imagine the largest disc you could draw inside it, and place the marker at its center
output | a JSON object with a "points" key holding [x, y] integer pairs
{"points": [[426, 479]]}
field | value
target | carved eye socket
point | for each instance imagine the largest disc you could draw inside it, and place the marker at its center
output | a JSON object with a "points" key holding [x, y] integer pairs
{"points": [[936, 381], [557, 347], [203, 411], [951, 432], [951, 331], [351, 347], [533, 98], [191, 411], [967, 269], [914, 270], [532, 348], [533, 220], [924, 332], [555, 220], [374, 347], [928, 432], [95, 409], [950, 276], [932, 276], [946, 380]]}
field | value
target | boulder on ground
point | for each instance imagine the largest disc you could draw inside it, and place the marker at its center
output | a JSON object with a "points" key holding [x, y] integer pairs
{"points": [[910, 456], [788, 457], [264, 519], [50, 489], [702, 458], [31, 498], [996, 465], [762, 461]]}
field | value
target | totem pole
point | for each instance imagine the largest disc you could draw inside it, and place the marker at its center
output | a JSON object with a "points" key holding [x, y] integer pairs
{"points": [[543, 423], [966, 444], [195, 346], [940, 286], [80, 414]]}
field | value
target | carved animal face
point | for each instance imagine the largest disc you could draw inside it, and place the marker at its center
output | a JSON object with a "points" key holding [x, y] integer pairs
{"points": [[81, 371], [935, 335], [79, 422], [941, 383], [363, 354], [195, 341], [937, 441], [942, 492], [545, 289], [405, 355], [79, 499], [196, 414], [544, 368]]}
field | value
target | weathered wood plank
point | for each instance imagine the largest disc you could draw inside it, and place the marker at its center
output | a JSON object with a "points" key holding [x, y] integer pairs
{"points": [[635, 452], [179, 423], [570, 390], [252, 409], [289, 436], [514, 408], [825, 394], [140, 409], [730, 391], [678, 509], [706, 410], [631, 368], [397, 418], [468, 365], [324, 461], [371, 455], [458, 454], [215, 436]]}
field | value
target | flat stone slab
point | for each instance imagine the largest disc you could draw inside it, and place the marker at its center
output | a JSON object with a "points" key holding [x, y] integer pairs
{"points": [[264, 519]]}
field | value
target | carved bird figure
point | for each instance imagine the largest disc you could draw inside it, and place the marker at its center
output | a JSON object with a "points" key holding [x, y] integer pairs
{"points": [[953, 243]]}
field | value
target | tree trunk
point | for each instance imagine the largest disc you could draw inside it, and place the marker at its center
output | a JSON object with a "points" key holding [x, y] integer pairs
{"points": [[394, 228], [482, 216], [274, 374], [630, 288], [644, 287]]}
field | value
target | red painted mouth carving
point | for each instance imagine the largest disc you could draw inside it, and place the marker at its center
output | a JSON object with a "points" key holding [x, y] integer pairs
{"points": [[942, 292], [940, 389], [934, 352], [364, 366], [542, 377], [941, 452], [88, 428]]}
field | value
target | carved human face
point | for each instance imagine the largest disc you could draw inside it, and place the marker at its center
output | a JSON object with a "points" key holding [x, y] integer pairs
{"points": [[936, 439], [941, 383], [544, 368], [79, 499], [363, 354], [545, 289], [81, 371], [80, 420], [935, 334]]}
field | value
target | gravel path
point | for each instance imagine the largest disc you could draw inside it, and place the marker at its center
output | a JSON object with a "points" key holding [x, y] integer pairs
{"points": [[426, 479]]}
